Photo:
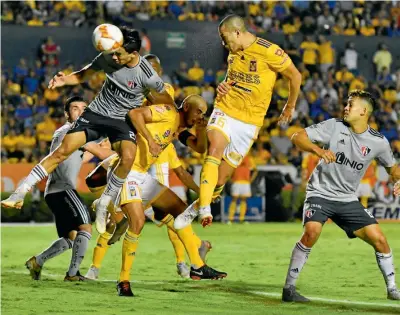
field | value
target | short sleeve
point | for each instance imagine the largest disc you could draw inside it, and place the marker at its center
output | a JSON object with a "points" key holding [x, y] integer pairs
{"points": [[162, 113], [151, 79], [386, 157], [277, 59], [321, 132], [173, 159], [184, 136]]}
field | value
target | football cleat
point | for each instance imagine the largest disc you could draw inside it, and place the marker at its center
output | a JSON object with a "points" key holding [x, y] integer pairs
{"points": [[100, 206], [34, 268], [15, 200], [291, 295], [206, 272], [124, 289], [93, 273], [393, 294], [76, 278], [205, 216], [204, 248], [183, 270], [120, 229], [186, 217]]}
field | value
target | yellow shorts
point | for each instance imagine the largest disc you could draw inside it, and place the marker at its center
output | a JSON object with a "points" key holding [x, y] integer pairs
{"points": [[139, 187], [240, 135]]}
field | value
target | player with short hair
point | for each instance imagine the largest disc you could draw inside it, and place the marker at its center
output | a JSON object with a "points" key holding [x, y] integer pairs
{"points": [[349, 147], [164, 123], [239, 109], [129, 78], [71, 215]]}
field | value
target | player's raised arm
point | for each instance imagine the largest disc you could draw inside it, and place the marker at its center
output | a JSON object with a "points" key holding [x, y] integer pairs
{"points": [[97, 150], [294, 77], [198, 142], [186, 179], [60, 79], [142, 116]]}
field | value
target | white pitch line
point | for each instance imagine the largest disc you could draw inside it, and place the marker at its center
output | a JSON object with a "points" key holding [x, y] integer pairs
{"points": [[26, 224], [333, 301]]}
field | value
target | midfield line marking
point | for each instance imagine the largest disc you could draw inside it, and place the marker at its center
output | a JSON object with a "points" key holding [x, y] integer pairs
{"points": [[333, 301]]}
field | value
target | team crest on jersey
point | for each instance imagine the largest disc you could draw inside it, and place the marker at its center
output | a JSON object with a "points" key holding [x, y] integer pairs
{"points": [[230, 61], [132, 188], [365, 150], [160, 109], [253, 66], [131, 84], [212, 120], [309, 213]]}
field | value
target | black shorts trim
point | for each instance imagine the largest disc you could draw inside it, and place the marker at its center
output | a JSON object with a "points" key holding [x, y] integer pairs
{"points": [[69, 211], [349, 216], [96, 126]]}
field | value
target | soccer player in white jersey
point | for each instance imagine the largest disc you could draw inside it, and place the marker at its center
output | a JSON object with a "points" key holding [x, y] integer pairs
{"points": [[349, 147], [129, 79], [72, 218]]}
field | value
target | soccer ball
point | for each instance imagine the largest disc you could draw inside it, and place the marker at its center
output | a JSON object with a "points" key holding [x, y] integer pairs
{"points": [[107, 38]]}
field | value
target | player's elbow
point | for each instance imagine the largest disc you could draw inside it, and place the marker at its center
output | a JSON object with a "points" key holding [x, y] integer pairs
{"points": [[297, 136]]}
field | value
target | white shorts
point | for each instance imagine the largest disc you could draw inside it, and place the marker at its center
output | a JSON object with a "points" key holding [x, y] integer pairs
{"points": [[364, 190], [139, 187], [239, 134], [160, 172], [180, 191], [241, 190]]}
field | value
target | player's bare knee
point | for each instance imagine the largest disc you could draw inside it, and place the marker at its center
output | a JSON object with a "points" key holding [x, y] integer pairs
{"points": [[86, 228], [216, 151], [126, 161], [310, 236]]}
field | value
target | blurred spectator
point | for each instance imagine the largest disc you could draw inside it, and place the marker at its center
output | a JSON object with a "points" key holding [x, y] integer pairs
{"points": [[382, 58], [350, 57], [20, 71], [196, 73], [290, 47], [31, 83], [50, 52], [344, 75], [384, 77], [281, 144], [309, 53], [308, 26], [146, 43], [358, 83], [326, 54], [209, 77], [46, 129], [326, 20]]}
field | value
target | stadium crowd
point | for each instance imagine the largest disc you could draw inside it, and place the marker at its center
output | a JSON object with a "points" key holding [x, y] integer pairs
{"points": [[31, 112], [308, 17]]}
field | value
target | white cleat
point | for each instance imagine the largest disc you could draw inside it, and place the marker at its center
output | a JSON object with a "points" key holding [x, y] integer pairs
{"points": [[93, 273], [205, 216], [100, 205], [16, 199], [186, 217], [183, 270], [393, 294]]}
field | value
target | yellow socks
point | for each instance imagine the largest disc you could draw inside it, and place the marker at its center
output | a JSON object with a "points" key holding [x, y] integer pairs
{"points": [[232, 209], [192, 245], [208, 180], [177, 245], [217, 191], [243, 210], [129, 246], [101, 249]]}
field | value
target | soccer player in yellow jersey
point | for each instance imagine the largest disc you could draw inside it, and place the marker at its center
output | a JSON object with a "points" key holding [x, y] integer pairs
{"points": [[162, 123], [239, 109]]}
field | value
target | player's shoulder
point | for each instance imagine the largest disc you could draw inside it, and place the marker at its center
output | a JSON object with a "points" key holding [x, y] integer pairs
{"points": [[146, 68], [375, 133], [62, 130], [164, 109]]}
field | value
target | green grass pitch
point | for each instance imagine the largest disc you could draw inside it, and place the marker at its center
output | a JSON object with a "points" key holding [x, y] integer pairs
{"points": [[256, 257]]}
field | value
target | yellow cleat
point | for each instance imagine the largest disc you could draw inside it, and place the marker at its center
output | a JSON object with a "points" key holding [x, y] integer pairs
{"points": [[34, 268]]}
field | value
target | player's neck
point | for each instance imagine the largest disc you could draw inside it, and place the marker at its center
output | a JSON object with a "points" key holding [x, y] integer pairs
{"points": [[181, 120], [359, 127], [134, 61], [248, 40]]}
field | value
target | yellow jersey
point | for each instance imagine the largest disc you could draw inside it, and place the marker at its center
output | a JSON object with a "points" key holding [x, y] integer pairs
{"points": [[169, 156], [170, 90], [163, 128], [252, 74], [310, 52]]}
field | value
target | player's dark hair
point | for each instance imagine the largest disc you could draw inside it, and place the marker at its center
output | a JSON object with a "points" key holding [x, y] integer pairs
{"points": [[74, 98], [132, 40], [149, 57], [364, 95]]}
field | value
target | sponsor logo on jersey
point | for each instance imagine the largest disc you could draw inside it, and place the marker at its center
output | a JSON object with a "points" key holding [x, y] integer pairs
{"points": [[117, 91], [253, 66], [346, 134], [83, 120], [166, 134], [343, 160], [341, 141], [230, 61], [365, 150], [212, 120], [244, 77]]}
